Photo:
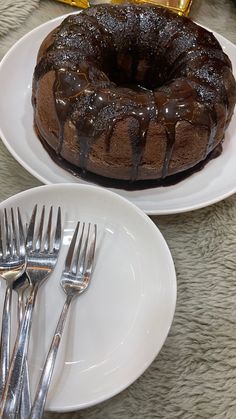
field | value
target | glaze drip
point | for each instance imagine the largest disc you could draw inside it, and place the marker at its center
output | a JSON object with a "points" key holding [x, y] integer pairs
{"points": [[67, 87], [167, 106]]}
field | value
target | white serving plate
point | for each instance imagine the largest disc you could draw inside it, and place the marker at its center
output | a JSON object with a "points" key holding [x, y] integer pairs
{"points": [[214, 183], [118, 326]]}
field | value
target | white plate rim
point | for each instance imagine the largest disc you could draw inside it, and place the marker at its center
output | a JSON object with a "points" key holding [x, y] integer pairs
{"points": [[13, 200]]}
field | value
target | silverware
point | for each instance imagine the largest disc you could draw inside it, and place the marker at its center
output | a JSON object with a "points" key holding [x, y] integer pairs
{"points": [[21, 285], [42, 246], [74, 281], [12, 265]]}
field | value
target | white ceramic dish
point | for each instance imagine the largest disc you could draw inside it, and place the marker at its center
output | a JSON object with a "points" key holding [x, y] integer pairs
{"points": [[119, 325], [215, 182]]}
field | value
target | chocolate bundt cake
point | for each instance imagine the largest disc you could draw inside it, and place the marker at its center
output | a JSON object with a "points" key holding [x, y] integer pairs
{"points": [[131, 93]]}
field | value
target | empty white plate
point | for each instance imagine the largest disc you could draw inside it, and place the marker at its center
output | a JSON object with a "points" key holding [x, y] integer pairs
{"points": [[118, 326]]}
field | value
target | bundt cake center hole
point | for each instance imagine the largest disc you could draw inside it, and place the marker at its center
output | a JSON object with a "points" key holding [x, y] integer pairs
{"points": [[127, 69]]}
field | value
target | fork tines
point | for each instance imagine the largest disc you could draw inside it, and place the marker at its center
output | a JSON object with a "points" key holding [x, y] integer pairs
{"points": [[81, 255], [12, 236], [35, 240]]}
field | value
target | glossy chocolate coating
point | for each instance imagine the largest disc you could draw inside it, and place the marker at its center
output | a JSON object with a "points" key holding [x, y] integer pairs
{"points": [[141, 68]]}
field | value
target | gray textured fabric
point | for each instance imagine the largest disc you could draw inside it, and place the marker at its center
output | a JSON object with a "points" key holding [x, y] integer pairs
{"points": [[194, 376], [13, 13]]}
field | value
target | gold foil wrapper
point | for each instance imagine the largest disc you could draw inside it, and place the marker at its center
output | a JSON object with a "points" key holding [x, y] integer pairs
{"points": [[77, 3], [181, 7]]}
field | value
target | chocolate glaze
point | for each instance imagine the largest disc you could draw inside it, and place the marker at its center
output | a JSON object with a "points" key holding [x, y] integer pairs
{"points": [[166, 88], [131, 185]]}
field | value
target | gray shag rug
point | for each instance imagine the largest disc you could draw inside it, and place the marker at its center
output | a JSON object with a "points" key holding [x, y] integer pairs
{"points": [[194, 376]]}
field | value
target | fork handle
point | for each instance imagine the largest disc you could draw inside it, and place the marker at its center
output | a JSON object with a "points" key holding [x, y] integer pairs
{"points": [[24, 407], [14, 382], [25, 402], [5, 338], [45, 379]]}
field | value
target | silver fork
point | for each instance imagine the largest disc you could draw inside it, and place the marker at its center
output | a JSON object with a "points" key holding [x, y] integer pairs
{"points": [[12, 265], [74, 281], [42, 254]]}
